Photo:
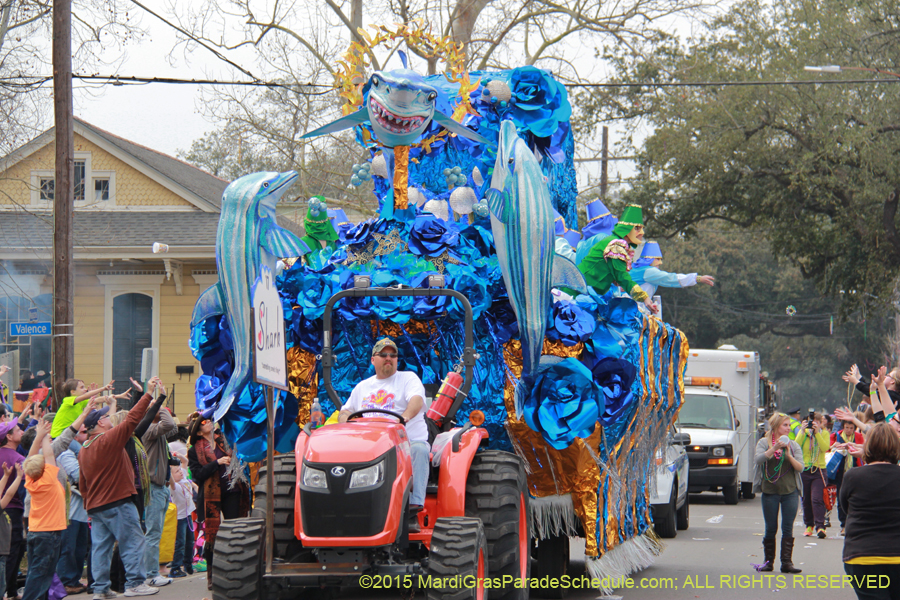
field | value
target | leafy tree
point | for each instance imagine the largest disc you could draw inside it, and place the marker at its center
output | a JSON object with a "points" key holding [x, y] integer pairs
{"points": [[812, 168], [751, 306]]}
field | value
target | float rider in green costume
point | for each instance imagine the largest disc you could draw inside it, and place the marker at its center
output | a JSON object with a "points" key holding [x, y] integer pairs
{"points": [[609, 261], [320, 232]]}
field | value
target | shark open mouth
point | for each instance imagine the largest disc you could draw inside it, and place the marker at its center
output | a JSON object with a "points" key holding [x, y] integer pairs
{"points": [[395, 123]]}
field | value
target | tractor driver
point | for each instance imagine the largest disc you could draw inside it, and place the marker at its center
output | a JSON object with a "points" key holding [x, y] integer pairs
{"points": [[401, 392]]}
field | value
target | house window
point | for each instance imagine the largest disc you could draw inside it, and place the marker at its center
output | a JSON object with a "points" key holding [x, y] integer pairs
{"points": [[132, 332], [48, 185], [79, 180], [101, 190]]}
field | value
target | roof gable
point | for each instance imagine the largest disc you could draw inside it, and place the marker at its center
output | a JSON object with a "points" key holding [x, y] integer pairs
{"points": [[194, 185]]}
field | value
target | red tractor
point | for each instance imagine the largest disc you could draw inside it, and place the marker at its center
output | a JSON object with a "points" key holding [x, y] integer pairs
{"points": [[338, 507]]}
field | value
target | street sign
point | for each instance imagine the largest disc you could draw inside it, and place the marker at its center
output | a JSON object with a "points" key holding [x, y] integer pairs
{"points": [[270, 352], [32, 314], [18, 329]]}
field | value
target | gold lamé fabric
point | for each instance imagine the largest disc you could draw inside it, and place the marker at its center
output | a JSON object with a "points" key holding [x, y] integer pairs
{"points": [[401, 177], [303, 383], [575, 470]]}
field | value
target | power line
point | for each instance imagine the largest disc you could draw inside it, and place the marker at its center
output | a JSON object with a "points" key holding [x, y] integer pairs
{"points": [[37, 80]]}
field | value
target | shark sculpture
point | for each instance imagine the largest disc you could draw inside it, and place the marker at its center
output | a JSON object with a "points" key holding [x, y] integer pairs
{"points": [[522, 221], [247, 239], [399, 105]]}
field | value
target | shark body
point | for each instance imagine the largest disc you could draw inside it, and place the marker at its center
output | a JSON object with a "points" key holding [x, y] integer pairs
{"points": [[400, 105], [247, 239]]}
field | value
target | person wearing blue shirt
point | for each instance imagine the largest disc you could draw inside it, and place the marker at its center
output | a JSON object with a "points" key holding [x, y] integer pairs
{"points": [[646, 273]]}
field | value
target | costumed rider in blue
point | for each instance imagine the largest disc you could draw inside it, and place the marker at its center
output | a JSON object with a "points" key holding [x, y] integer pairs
{"points": [[647, 274], [401, 392], [609, 260]]}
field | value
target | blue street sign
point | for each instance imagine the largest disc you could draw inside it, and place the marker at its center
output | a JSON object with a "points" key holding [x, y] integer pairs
{"points": [[17, 329], [32, 314]]}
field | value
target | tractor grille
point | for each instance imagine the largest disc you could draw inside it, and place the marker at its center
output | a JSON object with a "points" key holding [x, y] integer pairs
{"points": [[341, 512]]}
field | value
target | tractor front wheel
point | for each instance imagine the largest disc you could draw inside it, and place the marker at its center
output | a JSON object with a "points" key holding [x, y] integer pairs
{"points": [[458, 554], [497, 493], [239, 560]]}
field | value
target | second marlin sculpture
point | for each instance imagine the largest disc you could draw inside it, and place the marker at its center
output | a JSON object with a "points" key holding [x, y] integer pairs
{"points": [[522, 222]]}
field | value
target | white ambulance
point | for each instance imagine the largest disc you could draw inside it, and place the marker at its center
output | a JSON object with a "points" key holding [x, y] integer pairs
{"points": [[725, 398]]}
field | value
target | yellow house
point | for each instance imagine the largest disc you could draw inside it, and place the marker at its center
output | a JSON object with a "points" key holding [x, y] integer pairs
{"points": [[127, 298]]}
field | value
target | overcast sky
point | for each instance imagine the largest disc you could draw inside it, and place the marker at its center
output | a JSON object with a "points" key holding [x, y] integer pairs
{"points": [[160, 116]]}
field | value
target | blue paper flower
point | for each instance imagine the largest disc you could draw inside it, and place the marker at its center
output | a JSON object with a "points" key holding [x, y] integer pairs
{"points": [[361, 233], [570, 324], [391, 308], [563, 403], [471, 286], [314, 294], [502, 320], [614, 376], [430, 236], [427, 308], [353, 308], [539, 103]]}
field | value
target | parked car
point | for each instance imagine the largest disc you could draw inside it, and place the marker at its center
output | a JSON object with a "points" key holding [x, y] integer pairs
{"points": [[669, 502]]}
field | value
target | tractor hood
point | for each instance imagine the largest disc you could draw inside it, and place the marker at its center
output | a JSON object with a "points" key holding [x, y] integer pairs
{"points": [[355, 442]]}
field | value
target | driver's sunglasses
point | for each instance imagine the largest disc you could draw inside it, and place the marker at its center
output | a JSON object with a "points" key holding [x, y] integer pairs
{"points": [[387, 354]]}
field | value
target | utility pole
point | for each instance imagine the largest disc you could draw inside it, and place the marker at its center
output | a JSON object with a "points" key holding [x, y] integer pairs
{"points": [[63, 200], [604, 163]]}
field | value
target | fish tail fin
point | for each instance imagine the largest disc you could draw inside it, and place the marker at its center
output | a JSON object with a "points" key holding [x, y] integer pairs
{"points": [[500, 204], [567, 275]]}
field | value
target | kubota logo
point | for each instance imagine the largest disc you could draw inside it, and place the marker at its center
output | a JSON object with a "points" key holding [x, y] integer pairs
{"points": [[338, 471]]}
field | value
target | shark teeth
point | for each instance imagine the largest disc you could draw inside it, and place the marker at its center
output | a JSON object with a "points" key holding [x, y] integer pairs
{"points": [[395, 123]]}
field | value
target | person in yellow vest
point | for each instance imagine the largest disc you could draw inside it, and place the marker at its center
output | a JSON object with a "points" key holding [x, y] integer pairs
{"points": [[815, 441], [794, 415]]}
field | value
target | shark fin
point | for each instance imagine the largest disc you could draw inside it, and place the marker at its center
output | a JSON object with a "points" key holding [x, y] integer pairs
{"points": [[346, 122], [459, 129], [211, 303], [500, 204], [566, 274], [282, 243]]}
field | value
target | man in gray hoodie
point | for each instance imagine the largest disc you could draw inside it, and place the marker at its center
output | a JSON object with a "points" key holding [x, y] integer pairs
{"points": [[158, 456]]}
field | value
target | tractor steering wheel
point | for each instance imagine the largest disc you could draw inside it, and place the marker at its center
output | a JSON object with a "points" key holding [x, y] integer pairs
{"points": [[362, 413]]}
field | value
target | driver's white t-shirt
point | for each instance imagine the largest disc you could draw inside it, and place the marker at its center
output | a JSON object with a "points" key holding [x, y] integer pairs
{"points": [[391, 394]]}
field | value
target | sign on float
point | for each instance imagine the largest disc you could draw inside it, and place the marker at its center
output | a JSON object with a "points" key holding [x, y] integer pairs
{"points": [[18, 329], [270, 353]]}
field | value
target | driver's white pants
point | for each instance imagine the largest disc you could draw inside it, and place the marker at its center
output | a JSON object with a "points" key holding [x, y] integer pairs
{"points": [[419, 451]]}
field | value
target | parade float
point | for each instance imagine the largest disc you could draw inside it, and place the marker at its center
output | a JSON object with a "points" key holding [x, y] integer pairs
{"points": [[474, 177]]}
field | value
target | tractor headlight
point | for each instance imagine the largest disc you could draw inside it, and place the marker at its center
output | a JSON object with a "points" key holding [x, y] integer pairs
{"points": [[368, 477], [314, 478]]}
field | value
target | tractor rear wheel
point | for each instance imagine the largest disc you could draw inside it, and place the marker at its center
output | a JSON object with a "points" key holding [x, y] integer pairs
{"points": [[458, 555], [239, 560], [497, 493], [286, 545]]}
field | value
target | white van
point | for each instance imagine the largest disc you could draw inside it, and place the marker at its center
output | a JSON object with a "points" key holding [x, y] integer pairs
{"points": [[721, 410]]}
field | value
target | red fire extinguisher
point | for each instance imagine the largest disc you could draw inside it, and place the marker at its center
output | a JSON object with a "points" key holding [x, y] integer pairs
{"points": [[445, 397]]}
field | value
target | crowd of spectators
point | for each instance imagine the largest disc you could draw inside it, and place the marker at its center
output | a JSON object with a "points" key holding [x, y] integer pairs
{"points": [[856, 454], [87, 492]]}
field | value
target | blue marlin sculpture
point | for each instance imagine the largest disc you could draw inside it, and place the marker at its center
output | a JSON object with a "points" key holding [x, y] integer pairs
{"points": [[523, 225], [248, 238], [399, 105]]}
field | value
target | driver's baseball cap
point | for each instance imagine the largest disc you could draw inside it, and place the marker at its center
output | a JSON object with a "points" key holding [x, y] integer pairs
{"points": [[382, 344]]}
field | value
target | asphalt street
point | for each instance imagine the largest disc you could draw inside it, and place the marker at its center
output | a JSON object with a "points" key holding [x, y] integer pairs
{"points": [[712, 559]]}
